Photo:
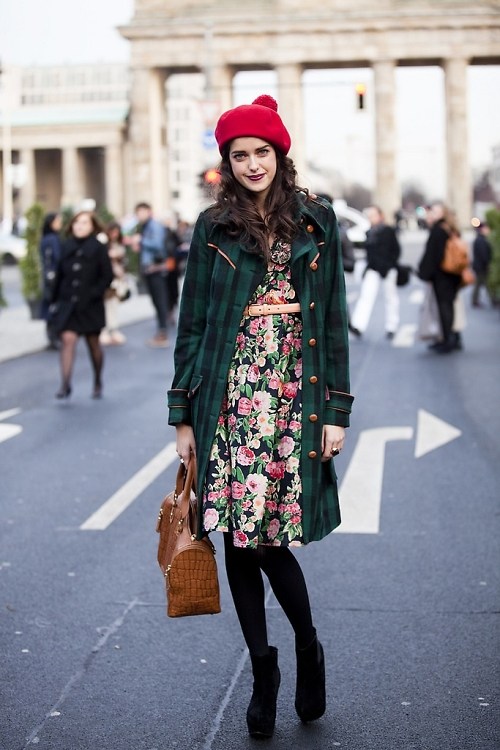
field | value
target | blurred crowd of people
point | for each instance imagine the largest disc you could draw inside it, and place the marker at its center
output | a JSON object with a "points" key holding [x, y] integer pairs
{"points": [[86, 270]]}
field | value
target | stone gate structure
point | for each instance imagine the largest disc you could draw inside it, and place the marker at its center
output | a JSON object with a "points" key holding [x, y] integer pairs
{"points": [[226, 36]]}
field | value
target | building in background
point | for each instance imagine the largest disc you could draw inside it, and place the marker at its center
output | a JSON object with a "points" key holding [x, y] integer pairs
{"points": [[122, 135]]}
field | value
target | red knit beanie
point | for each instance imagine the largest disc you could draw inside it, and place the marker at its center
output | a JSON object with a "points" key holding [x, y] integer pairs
{"points": [[259, 119]]}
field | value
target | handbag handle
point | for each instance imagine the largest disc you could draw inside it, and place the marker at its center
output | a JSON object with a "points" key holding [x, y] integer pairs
{"points": [[188, 483]]}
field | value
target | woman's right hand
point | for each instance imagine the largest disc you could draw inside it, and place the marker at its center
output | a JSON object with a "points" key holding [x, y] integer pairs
{"points": [[186, 446]]}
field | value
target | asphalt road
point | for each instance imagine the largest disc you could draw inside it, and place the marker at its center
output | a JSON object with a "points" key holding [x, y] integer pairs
{"points": [[408, 612]]}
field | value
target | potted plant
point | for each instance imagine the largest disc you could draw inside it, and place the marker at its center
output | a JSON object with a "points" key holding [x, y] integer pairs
{"points": [[30, 266]]}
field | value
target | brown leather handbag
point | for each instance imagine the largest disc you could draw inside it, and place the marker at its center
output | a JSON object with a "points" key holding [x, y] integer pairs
{"points": [[188, 564]]}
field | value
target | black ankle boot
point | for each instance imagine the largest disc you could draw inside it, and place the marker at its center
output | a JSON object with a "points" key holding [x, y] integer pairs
{"points": [[310, 693], [261, 713]]}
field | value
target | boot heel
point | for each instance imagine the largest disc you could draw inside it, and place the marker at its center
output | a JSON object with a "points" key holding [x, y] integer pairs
{"points": [[261, 713]]}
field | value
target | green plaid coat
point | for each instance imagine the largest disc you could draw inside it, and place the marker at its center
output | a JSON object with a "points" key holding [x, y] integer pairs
{"points": [[220, 280]]}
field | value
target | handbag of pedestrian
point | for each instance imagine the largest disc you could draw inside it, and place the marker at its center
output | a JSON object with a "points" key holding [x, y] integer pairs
{"points": [[188, 564]]}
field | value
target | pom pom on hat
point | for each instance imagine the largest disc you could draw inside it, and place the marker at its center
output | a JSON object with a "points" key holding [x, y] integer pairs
{"points": [[266, 101], [259, 119]]}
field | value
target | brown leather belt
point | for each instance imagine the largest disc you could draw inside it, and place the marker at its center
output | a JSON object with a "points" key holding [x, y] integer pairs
{"points": [[290, 307]]}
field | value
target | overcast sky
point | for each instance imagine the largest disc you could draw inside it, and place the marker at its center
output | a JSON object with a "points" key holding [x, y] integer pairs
{"points": [[46, 32]]}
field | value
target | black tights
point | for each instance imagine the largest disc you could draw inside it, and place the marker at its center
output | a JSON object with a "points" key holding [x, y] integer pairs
{"points": [[69, 340], [244, 572]]}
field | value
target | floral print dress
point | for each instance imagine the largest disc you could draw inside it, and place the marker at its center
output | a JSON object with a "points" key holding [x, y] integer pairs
{"points": [[253, 487]]}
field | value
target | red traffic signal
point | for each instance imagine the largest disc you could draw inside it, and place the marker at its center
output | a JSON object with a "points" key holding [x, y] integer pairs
{"points": [[212, 177]]}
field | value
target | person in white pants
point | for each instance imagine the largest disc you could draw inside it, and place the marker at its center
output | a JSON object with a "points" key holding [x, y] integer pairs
{"points": [[382, 255]]}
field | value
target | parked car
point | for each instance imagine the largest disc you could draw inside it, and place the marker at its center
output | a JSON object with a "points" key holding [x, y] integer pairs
{"points": [[12, 248], [355, 223]]}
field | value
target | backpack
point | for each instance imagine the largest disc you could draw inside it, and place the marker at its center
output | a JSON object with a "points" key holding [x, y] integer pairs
{"points": [[456, 255]]}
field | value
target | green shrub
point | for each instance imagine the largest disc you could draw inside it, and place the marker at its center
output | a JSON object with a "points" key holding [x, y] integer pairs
{"points": [[493, 220], [30, 266]]}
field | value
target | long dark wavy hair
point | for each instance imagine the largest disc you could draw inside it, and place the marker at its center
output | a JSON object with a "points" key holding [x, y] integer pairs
{"points": [[235, 208]]}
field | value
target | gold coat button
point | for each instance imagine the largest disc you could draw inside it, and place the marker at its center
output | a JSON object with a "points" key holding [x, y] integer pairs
{"points": [[312, 454], [312, 342], [313, 379], [310, 228], [313, 417], [312, 306]]}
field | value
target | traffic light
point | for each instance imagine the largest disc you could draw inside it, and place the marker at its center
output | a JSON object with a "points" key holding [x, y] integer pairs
{"points": [[212, 176], [360, 95], [208, 180]]}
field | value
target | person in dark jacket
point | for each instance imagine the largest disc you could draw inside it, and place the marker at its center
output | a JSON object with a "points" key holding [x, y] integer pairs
{"points": [[442, 223], [382, 255], [50, 253], [83, 275], [481, 259], [261, 388]]}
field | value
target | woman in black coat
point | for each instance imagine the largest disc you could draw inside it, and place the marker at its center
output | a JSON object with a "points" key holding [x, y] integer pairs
{"points": [[446, 285], [83, 275]]}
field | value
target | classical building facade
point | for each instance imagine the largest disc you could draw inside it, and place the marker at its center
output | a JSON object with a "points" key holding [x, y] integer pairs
{"points": [[121, 134], [67, 134], [290, 36]]}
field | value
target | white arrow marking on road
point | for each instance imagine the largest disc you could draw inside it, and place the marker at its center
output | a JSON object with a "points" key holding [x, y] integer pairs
{"points": [[433, 433], [8, 431], [361, 490], [117, 503]]}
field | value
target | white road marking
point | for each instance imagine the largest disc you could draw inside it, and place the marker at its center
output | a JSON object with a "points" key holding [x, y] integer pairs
{"points": [[416, 297], [8, 414], [361, 489], [432, 433], [8, 431], [405, 336], [125, 496]]}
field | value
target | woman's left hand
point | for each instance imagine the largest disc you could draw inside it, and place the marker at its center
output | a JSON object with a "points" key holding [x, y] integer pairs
{"points": [[332, 441]]}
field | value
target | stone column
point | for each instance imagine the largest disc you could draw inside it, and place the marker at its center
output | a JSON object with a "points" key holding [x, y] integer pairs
{"points": [[158, 139], [222, 87], [387, 194], [113, 169], [147, 137], [71, 177], [291, 110], [459, 190], [28, 190]]}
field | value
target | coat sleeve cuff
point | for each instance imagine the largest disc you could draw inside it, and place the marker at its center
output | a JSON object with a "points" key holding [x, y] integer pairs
{"points": [[179, 408], [338, 408]]}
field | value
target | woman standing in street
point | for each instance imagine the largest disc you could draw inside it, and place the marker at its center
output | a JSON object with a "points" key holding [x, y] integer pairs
{"points": [[84, 273], [446, 285], [261, 389], [50, 253]]}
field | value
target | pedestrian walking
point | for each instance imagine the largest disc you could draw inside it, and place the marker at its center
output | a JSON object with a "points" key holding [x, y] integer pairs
{"points": [[481, 260], [118, 290], [149, 242], [442, 224], [382, 255], [261, 388], [50, 254], [83, 275]]}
